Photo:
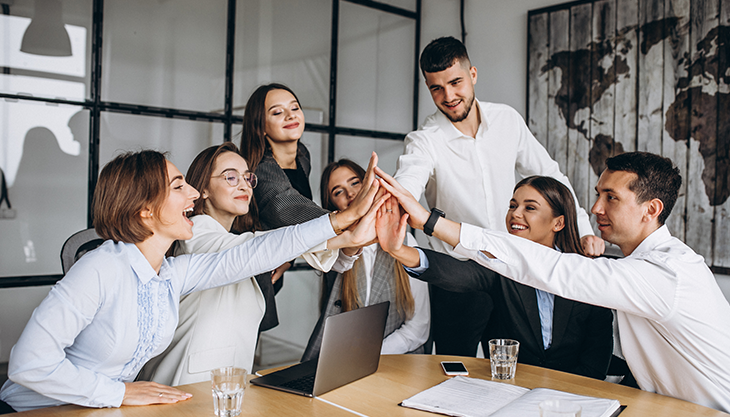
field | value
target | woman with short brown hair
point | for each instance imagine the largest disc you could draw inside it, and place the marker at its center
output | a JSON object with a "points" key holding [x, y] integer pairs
{"points": [[117, 307]]}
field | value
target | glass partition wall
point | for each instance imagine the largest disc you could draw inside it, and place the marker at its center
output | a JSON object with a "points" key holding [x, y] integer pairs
{"points": [[83, 80]]}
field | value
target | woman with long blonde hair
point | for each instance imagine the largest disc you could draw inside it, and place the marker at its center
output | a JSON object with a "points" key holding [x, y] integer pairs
{"points": [[371, 277]]}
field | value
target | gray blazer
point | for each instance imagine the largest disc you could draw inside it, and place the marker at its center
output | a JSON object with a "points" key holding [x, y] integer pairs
{"points": [[278, 202], [382, 288]]}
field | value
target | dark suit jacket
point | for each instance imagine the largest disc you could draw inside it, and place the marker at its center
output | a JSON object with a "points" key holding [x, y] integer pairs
{"points": [[582, 334]]}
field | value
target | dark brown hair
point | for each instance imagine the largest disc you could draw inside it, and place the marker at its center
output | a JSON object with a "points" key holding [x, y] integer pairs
{"points": [[442, 53], [199, 176], [127, 185], [404, 302], [656, 177], [562, 203], [253, 135]]}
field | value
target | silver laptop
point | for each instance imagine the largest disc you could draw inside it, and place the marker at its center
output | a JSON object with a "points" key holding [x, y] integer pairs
{"points": [[351, 344]]}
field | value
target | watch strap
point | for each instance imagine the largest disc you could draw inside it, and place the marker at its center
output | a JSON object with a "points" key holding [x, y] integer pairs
{"points": [[432, 219]]}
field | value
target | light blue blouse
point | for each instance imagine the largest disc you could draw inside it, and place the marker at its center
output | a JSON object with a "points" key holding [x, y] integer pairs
{"points": [[111, 313]]}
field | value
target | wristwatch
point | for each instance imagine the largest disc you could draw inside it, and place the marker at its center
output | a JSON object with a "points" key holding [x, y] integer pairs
{"points": [[432, 219]]}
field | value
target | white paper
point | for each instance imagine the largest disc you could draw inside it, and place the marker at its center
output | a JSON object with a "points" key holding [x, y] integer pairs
{"points": [[528, 404], [471, 397], [465, 397]]}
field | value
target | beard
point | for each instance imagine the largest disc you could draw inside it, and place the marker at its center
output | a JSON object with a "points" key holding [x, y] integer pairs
{"points": [[468, 103]]}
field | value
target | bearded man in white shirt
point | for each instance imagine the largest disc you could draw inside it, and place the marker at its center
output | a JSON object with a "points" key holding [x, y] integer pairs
{"points": [[672, 316], [464, 158]]}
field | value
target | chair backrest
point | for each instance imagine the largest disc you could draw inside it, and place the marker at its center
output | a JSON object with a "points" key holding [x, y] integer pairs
{"points": [[77, 245]]}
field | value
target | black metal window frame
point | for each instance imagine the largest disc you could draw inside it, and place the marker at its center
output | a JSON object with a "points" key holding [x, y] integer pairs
{"points": [[96, 106]]}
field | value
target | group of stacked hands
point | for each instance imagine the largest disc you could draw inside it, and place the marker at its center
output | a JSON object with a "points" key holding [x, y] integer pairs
{"points": [[536, 263]]}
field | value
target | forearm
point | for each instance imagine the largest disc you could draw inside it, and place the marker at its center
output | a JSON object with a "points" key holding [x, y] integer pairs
{"points": [[408, 256], [454, 275], [261, 254], [447, 231]]}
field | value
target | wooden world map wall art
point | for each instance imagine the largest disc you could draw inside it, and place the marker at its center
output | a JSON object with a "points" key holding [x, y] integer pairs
{"points": [[613, 76]]}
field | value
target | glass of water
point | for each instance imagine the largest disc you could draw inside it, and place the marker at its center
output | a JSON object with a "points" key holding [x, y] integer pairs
{"points": [[229, 384], [503, 357]]}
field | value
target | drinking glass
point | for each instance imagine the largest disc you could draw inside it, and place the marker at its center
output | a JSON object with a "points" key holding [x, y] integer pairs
{"points": [[228, 388], [503, 357]]}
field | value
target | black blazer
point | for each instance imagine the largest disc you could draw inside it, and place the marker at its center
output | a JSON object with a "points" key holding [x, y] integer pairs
{"points": [[582, 340]]}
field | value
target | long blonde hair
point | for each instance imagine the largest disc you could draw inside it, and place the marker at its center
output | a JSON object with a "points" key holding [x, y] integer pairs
{"points": [[404, 303]]}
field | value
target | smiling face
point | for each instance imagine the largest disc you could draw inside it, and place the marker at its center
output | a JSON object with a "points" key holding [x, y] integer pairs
{"points": [[224, 202], [284, 117], [452, 90], [621, 220], [172, 222], [343, 186], [530, 216]]}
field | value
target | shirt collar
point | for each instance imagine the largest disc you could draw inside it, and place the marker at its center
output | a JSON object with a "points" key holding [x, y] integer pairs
{"points": [[450, 130], [653, 240], [139, 263]]}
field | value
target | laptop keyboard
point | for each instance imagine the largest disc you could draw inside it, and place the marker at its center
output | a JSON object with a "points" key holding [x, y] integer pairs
{"points": [[305, 384]]}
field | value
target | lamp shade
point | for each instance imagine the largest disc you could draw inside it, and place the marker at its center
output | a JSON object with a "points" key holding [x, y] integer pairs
{"points": [[46, 34]]}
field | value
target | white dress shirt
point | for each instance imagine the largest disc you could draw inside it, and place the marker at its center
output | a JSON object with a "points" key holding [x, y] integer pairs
{"points": [[471, 179], [218, 327], [672, 316], [112, 312]]}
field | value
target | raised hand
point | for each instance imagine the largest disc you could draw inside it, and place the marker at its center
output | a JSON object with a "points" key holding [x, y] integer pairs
{"points": [[147, 392], [391, 226], [418, 214], [364, 232], [364, 199], [391, 229]]}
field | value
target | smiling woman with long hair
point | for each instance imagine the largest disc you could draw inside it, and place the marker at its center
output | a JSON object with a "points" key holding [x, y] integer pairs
{"points": [[273, 124], [554, 332], [371, 277], [117, 307]]}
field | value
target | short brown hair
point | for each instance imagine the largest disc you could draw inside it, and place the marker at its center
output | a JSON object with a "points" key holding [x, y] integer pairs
{"points": [[128, 184], [656, 177], [442, 53]]}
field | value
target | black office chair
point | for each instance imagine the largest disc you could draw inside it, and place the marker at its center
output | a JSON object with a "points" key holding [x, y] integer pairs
{"points": [[77, 245]]}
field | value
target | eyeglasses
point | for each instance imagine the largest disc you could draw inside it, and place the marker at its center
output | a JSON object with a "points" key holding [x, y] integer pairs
{"points": [[233, 177]]}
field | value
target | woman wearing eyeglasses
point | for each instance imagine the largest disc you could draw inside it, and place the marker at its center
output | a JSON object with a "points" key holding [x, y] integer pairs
{"points": [[219, 327]]}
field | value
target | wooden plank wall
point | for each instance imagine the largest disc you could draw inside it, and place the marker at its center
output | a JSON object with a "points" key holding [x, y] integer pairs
{"points": [[612, 76]]}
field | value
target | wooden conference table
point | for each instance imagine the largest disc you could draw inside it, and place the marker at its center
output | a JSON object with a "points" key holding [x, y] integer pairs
{"points": [[398, 377]]}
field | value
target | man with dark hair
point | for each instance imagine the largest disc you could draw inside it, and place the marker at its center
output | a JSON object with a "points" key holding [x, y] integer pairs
{"points": [[672, 317], [464, 158]]}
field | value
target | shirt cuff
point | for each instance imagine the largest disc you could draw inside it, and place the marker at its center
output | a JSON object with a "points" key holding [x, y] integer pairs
{"points": [[473, 240], [420, 269]]}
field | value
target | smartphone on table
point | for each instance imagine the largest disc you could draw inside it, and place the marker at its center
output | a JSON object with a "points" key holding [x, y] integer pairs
{"points": [[454, 368]]}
